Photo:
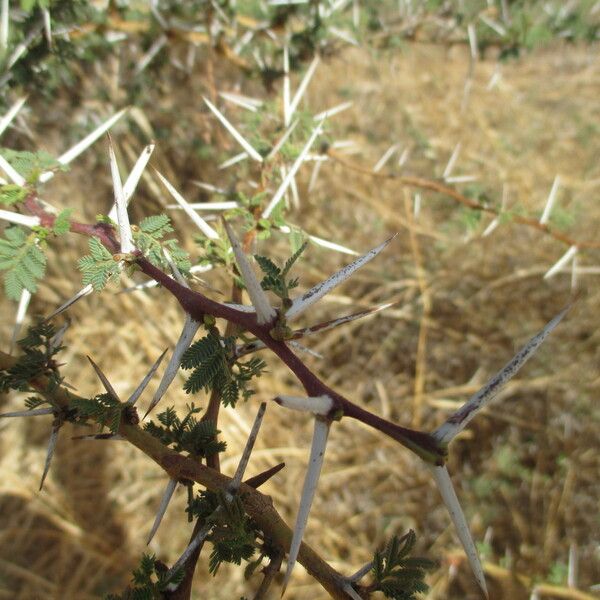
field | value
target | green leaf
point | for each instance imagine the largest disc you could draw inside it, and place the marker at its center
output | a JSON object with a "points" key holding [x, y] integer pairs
{"points": [[12, 193], [99, 267], [62, 223], [23, 260]]}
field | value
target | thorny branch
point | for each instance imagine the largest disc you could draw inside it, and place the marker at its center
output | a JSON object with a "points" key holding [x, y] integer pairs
{"points": [[440, 188], [258, 506]]}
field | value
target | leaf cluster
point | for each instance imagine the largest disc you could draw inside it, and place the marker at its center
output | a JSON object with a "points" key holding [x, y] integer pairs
{"points": [[38, 349], [23, 261], [214, 368], [31, 164], [275, 278], [396, 573], [104, 409], [233, 534], [148, 238], [98, 267], [149, 581], [199, 438]]}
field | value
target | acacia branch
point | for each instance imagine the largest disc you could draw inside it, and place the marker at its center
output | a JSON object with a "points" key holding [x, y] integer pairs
{"points": [[440, 188], [257, 505]]}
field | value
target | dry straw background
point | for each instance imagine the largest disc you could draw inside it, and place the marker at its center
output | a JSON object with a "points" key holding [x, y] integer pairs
{"points": [[526, 472]]}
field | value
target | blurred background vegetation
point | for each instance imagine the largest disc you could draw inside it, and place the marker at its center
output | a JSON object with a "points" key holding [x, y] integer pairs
{"points": [[510, 89]]}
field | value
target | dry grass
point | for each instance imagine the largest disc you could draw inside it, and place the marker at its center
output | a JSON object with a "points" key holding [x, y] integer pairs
{"points": [[527, 472]]}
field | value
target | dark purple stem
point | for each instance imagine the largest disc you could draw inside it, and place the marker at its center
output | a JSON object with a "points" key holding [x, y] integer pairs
{"points": [[197, 305]]}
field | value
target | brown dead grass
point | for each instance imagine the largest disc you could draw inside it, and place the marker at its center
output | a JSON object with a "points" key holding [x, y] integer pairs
{"points": [[527, 471]]}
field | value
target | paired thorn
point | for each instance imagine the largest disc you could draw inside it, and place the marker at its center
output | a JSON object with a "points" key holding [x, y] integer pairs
{"points": [[133, 179], [21, 313], [122, 216], [107, 385]]}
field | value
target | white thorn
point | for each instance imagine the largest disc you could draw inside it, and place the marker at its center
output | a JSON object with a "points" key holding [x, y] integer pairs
{"points": [[301, 348], [265, 313], [241, 468], [444, 484], [6, 120], [573, 567], [282, 140], [147, 58], [317, 405], [417, 207], [49, 453], [122, 217], [550, 202], [233, 160], [12, 173], [385, 157], [286, 85], [313, 295], [473, 41], [226, 205], [460, 419], [452, 161], [317, 454], [344, 35], [36, 412], [312, 182], [21, 312], [183, 343], [202, 225], [233, 131], [303, 85], [334, 110], [140, 389], [84, 144], [88, 289], [291, 173], [47, 26], [4, 23], [561, 262], [13, 217], [246, 102], [107, 385], [164, 503]]}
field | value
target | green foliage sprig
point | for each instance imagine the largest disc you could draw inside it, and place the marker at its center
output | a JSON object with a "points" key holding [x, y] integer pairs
{"points": [[104, 409], [396, 573], [198, 438], [215, 368], [233, 534], [148, 238], [39, 348], [275, 278], [98, 267], [22, 259], [150, 580]]}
